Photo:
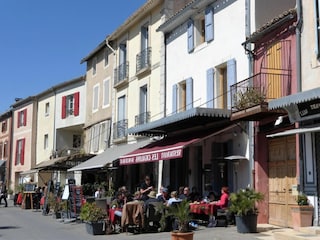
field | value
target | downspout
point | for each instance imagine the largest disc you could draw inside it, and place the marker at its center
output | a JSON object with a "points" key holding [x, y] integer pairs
{"points": [[250, 71], [299, 88]]}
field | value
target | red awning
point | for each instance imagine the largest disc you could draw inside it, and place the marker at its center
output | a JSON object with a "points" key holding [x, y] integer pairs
{"points": [[165, 149]]}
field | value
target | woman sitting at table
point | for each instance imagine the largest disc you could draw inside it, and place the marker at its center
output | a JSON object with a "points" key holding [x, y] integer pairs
{"points": [[224, 199]]}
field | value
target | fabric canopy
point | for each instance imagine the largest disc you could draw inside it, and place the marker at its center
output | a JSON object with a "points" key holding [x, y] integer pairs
{"points": [[295, 131], [165, 149], [108, 156]]}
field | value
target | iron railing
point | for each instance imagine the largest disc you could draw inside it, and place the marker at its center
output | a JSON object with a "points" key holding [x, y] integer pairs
{"points": [[258, 89], [121, 73], [120, 129], [143, 59], [142, 118]]}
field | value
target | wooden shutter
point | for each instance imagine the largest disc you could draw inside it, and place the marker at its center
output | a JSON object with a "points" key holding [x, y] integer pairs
{"points": [[22, 151], [232, 78], [63, 107], [209, 24], [25, 117], [189, 93], [18, 120], [174, 98], [17, 152], [210, 88], [190, 36], [76, 104]]}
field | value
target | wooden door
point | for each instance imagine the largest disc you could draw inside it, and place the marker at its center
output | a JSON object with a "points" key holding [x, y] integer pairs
{"points": [[282, 175]]}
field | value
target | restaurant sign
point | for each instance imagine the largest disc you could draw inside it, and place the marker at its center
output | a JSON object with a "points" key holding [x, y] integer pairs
{"points": [[153, 156]]}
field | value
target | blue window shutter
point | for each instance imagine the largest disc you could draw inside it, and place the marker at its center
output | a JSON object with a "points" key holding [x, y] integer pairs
{"points": [[232, 77], [209, 24], [189, 93], [174, 98], [210, 88], [190, 36]]}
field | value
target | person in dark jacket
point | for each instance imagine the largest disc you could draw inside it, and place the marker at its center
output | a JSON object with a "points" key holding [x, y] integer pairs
{"points": [[3, 193]]}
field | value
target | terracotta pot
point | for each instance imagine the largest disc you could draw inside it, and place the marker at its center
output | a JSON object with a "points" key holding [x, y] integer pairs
{"points": [[181, 236], [301, 216]]}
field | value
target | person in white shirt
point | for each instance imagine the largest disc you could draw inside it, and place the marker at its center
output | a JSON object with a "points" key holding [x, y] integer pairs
{"points": [[174, 198]]}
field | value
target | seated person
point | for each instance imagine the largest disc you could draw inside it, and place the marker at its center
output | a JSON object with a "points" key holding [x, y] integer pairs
{"points": [[224, 199], [118, 203], [174, 198], [164, 196], [151, 198]]}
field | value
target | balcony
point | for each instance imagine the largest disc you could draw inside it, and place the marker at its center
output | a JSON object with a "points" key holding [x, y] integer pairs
{"points": [[121, 74], [143, 60], [250, 97], [120, 129], [142, 118]]}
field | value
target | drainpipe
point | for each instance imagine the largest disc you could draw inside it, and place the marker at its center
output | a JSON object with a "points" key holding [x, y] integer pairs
{"points": [[250, 71], [299, 88]]}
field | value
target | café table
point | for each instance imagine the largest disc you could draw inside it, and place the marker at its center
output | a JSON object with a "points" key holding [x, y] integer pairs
{"points": [[202, 208]]}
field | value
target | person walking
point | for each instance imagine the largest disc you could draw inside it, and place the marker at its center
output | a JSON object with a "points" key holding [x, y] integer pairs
{"points": [[3, 193]]}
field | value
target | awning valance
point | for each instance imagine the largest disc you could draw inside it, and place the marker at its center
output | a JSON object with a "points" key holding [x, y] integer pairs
{"points": [[294, 99], [165, 149], [295, 131], [109, 155]]}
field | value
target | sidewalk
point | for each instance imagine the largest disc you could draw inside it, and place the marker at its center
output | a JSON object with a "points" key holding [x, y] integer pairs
{"points": [[265, 232]]}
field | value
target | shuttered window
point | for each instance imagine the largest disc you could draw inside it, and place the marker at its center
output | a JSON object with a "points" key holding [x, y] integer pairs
{"points": [[189, 93], [231, 78], [210, 88], [190, 36], [174, 98], [209, 24]]}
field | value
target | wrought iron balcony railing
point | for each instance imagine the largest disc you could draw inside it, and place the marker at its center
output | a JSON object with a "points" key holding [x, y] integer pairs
{"points": [[121, 73], [142, 118], [258, 89], [143, 59], [120, 129]]}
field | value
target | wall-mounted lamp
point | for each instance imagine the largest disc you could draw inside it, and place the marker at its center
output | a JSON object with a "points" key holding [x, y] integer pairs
{"points": [[278, 121]]}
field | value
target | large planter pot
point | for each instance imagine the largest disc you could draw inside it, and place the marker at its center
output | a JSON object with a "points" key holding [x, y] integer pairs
{"points": [[301, 216], [247, 223], [96, 228], [181, 236]]}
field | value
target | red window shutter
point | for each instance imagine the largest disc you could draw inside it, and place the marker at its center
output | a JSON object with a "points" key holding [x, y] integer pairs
{"points": [[22, 151], [17, 152], [63, 107], [76, 103], [25, 118], [18, 120]]}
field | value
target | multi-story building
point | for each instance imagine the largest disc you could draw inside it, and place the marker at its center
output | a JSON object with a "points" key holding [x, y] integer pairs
{"points": [[302, 108], [23, 151], [5, 146]]}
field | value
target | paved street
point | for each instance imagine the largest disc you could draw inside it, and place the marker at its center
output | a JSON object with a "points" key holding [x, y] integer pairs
{"points": [[16, 223]]}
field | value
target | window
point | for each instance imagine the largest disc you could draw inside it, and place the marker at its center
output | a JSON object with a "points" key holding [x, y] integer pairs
{"points": [[46, 141], [210, 88], [106, 92], [100, 136], [94, 66], [106, 57], [70, 105], [226, 76], [1, 150], [47, 109], [4, 126], [317, 27], [5, 149], [22, 118], [20, 145], [200, 29], [143, 99], [76, 141], [182, 96], [95, 100]]}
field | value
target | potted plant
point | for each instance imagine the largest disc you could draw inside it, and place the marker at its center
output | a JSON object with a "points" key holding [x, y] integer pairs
{"points": [[94, 218], [10, 194], [181, 215], [302, 213], [243, 205]]}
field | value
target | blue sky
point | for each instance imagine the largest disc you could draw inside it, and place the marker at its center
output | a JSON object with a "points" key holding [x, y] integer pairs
{"points": [[42, 42]]}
